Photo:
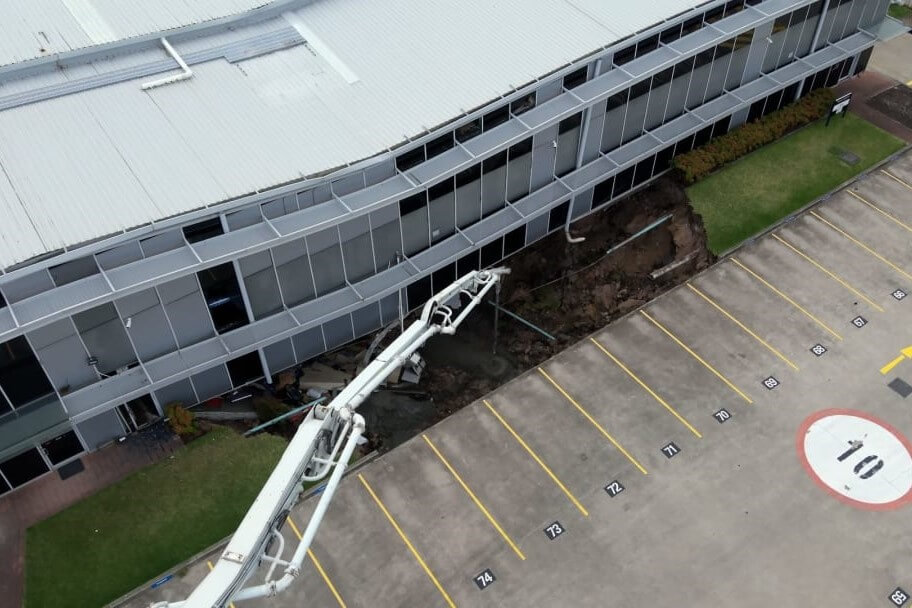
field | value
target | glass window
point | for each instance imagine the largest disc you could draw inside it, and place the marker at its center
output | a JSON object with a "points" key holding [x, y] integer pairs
{"points": [[492, 253], [261, 283], [601, 194], [647, 45], [663, 159], [692, 25], [622, 182], [734, 6], [714, 15], [413, 212], [245, 368], [468, 130], [643, 171], [201, 231], [442, 277], [293, 268], [493, 183], [523, 104], [223, 297], [514, 241], [468, 263], [739, 59], [418, 292], [636, 111], [567, 145], [558, 216], [615, 111], [685, 145], [410, 159], [62, 447], [497, 117], [468, 196], [575, 78], [625, 55], [21, 375], [658, 99], [703, 136], [442, 209], [438, 146], [73, 270], [671, 34], [519, 169], [24, 467], [105, 337]]}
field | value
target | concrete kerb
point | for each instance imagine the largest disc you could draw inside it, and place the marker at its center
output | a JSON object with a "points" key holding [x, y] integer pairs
{"points": [[221, 543]]}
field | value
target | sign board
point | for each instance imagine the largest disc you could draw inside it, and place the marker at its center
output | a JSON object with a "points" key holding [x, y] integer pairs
{"points": [[840, 106]]}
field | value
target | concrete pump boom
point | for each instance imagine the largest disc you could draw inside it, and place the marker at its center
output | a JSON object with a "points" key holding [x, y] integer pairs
{"points": [[324, 442]]}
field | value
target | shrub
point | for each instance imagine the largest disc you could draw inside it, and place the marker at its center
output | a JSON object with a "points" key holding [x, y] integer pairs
{"points": [[698, 163], [180, 419]]}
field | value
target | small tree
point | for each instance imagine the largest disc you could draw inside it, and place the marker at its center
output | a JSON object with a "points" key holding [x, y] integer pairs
{"points": [[180, 418]]}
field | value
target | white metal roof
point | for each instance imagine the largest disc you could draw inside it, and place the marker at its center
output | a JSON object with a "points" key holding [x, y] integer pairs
{"points": [[98, 162], [37, 28]]}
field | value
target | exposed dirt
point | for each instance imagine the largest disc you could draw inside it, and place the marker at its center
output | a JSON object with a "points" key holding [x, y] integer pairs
{"points": [[568, 290], [896, 103]]}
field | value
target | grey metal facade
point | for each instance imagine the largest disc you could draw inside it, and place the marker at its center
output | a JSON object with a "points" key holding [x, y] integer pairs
{"points": [[212, 300]]}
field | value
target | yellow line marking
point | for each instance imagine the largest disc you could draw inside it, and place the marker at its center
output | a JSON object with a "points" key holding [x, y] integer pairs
{"points": [[661, 401], [731, 318], [863, 246], [317, 564], [717, 373], [886, 368], [787, 299], [211, 568], [407, 542], [474, 498], [901, 181], [881, 211], [535, 457], [593, 421], [830, 273]]}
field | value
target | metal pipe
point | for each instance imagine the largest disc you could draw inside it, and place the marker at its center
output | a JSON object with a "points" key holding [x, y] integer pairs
{"points": [[640, 233], [186, 72], [282, 417], [513, 315]]}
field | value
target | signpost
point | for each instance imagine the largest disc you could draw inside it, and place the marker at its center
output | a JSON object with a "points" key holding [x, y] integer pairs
{"points": [[839, 107]]}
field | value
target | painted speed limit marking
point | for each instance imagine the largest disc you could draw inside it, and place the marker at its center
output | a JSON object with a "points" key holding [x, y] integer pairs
{"points": [[857, 458]]}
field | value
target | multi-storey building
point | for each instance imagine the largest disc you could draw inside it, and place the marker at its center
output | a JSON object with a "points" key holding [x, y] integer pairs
{"points": [[312, 164]]}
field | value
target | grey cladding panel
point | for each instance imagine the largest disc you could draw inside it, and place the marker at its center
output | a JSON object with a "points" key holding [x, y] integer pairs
{"points": [[101, 429], [181, 392], [279, 356], [212, 382], [308, 344]]}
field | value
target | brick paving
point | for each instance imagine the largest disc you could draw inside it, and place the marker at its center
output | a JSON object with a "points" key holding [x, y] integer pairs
{"points": [[866, 86], [49, 494]]}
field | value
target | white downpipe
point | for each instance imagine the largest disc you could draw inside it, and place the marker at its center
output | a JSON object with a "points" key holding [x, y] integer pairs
{"points": [[186, 72]]}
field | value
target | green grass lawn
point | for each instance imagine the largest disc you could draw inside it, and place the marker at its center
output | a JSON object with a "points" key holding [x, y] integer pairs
{"points": [[899, 11], [754, 192], [130, 532]]}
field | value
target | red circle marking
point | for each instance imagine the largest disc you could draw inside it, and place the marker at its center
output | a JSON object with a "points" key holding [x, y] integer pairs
{"points": [[799, 444]]}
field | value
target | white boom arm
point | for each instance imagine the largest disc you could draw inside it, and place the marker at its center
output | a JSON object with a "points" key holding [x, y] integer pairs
{"points": [[313, 452]]}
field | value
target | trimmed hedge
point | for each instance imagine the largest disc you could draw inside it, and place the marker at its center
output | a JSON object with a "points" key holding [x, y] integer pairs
{"points": [[700, 162]]}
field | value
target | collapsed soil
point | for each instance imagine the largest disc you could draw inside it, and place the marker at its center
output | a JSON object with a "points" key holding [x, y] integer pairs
{"points": [[568, 289]]}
